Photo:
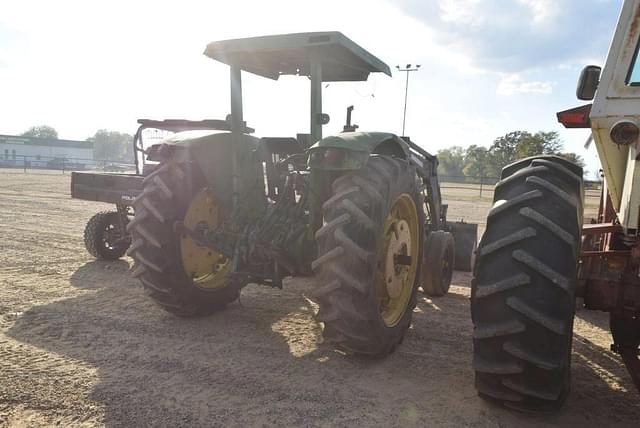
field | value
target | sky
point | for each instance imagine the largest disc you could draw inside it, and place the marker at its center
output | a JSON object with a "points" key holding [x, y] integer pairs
{"points": [[488, 67]]}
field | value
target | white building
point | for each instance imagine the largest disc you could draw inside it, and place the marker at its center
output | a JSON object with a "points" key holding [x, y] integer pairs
{"points": [[17, 151]]}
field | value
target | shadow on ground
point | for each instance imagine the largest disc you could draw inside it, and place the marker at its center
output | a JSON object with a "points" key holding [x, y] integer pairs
{"points": [[260, 362]]}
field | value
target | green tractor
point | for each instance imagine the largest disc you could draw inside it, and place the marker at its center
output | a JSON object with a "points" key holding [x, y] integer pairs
{"points": [[215, 208]]}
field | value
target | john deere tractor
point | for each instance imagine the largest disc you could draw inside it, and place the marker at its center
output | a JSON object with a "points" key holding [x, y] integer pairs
{"points": [[536, 256], [213, 208]]}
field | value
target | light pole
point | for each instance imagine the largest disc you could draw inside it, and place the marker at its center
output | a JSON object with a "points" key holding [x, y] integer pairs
{"points": [[408, 68]]}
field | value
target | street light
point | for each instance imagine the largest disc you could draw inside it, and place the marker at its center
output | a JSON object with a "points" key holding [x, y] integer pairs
{"points": [[408, 68]]}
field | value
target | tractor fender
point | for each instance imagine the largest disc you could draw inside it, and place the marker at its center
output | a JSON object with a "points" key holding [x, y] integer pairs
{"points": [[355, 148], [212, 153]]}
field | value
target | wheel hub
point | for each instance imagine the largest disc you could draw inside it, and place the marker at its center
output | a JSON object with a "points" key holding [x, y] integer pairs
{"points": [[398, 260], [110, 236], [399, 245], [205, 266]]}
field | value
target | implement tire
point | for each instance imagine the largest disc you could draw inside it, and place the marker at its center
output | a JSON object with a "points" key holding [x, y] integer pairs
{"points": [[167, 195], [465, 236], [100, 230], [523, 291], [369, 252], [437, 266]]}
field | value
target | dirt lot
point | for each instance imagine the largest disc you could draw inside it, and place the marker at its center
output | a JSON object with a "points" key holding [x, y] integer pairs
{"points": [[81, 345]]}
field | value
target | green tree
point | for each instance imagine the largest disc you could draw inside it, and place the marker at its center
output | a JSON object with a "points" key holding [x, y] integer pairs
{"points": [[451, 161], [504, 151], [521, 144], [540, 143], [515, 145], [477, 162], [112, 145], [41, 131]]}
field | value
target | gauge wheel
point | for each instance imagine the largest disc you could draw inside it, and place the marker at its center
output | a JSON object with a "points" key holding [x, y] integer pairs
{"points": [[105, 236]]}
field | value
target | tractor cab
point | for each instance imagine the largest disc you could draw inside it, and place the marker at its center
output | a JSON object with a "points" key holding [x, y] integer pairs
{"points": [[320, 56]]}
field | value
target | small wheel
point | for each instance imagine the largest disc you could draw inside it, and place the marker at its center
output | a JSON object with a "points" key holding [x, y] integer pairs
{"points": [[465, 236], [437, 263], [105, 237]]}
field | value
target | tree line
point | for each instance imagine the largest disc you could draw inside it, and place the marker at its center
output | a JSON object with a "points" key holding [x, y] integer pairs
{"points": [[478, 161], [107, 145]]}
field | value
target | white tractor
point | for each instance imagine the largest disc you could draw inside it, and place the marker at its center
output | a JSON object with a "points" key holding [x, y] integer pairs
{"points": [[536, 256]]}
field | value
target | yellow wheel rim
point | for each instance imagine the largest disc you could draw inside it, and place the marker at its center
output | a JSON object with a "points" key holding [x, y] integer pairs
{"points": [[398, 260], [206, 267]]}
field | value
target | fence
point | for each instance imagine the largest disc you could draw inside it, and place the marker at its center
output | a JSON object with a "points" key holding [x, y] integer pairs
{"points": [[462, 182], [65, 164], [486, 184]]}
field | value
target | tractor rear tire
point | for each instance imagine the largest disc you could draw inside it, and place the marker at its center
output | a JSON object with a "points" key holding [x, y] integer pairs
{"points": [[523, 291], [370, 212], [98, 234], [156, 249], [437, 266]]}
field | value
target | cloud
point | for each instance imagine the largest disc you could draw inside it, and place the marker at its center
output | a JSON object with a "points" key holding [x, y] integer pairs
{"points": [[542, 10], [459, 11], [516, 36], [513, 84]]}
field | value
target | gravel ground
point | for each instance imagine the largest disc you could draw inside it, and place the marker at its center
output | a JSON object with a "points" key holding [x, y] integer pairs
{"points": [[81, 345]]}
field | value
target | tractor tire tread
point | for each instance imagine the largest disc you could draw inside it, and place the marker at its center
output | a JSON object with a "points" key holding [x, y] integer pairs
{"points": [[523, 290], [345, 265], [522, 163], [160, 204]]}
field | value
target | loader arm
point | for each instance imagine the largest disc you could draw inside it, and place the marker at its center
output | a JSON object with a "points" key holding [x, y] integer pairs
{"points": [[427, 166]]}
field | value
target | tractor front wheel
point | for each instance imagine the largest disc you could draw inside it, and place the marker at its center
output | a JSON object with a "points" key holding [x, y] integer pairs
{"points": [[369, 251], [437, 263]]}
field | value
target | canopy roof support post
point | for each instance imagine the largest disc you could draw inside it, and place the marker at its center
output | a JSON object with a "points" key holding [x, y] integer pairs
{"points": [[237, 125], [316, 99]]}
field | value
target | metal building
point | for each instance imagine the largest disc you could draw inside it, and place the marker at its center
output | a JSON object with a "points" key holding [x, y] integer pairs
{"points": [[19, 151]]}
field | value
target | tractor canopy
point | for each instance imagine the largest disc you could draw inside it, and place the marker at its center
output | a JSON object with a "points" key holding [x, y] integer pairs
{"points": [[292, 54]]}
